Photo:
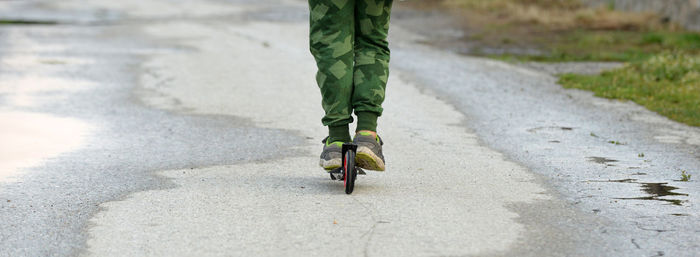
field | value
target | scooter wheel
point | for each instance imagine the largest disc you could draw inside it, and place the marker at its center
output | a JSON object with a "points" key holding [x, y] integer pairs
{"points": [[350, 171]]}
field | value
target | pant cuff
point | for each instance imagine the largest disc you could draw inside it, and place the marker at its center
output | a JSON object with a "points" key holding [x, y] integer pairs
{"points": [[367, 121], [339, 133]]}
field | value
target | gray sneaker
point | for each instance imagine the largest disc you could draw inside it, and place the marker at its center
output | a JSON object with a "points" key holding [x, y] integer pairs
{"points": [[332, 155], [369, 151]]}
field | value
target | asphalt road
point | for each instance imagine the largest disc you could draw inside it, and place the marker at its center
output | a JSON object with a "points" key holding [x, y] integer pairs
{"points": [[192, 128]]}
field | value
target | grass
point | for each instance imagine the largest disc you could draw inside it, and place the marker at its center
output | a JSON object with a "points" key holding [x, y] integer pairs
{"points": [[667, 83], [621, 46], [662, 70], [552, 14], [614, 142], [685, 176], [26, 22], [566, 30]]}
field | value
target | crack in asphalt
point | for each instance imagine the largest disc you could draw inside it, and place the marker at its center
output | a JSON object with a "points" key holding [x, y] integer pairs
{"points": [[635, 243], [370, 232]]}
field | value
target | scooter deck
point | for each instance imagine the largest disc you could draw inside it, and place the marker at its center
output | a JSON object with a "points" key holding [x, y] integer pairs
{"points": [[339, 171]]}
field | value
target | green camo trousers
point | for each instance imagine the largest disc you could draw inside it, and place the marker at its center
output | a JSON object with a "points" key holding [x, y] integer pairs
{"points": [[348, 39]]}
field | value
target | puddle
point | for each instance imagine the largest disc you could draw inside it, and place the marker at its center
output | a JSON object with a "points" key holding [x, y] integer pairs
{"points": [[601, 160], [533, 130], [654, 191], [671, 201], [32, 92], [627, 180], [29, 138], [660, 189]]}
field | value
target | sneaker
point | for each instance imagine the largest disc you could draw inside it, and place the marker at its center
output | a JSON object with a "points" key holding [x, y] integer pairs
{"points": [[369, 151], [332, 155]]}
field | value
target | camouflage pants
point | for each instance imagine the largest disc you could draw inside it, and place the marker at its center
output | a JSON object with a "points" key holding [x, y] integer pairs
{"points": [[348, 39]]}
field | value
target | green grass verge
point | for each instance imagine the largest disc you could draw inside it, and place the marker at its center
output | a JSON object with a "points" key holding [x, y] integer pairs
{"points": [[567, 30], [667, 83], [662, 70], [620, 46]]}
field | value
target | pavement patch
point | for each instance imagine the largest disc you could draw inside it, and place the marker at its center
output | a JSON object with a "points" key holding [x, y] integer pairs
{"points": [[432, 200]]}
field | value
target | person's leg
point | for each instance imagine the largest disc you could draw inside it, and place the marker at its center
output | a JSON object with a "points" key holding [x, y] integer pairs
{"points": [[331, 42], [371, 69], [370, 75]]}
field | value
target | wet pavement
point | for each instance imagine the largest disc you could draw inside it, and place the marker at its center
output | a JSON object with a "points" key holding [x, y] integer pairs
{"points": [[601, 176], [44, 208], [572, 138]]}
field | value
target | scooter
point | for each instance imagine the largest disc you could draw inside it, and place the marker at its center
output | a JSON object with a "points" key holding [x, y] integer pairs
{"points": [[348, 172]]}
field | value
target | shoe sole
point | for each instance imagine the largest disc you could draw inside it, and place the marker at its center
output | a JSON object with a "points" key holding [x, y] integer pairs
{"points": [[330, 164], [366, 159]]}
